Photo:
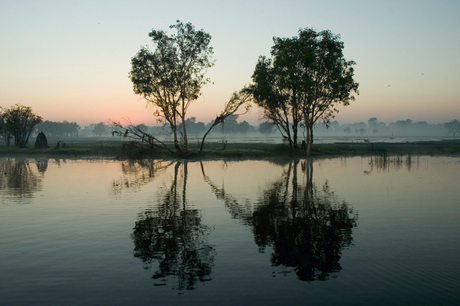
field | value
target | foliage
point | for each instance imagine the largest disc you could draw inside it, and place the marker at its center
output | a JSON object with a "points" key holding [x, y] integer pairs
{"points": [[303, 82], [65, 128], [171, 77], [142, 127], [19, 121], [266, 128], [453, 126], [100, 129]]}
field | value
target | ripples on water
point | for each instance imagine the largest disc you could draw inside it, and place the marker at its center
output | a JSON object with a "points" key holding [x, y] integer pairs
{"points": [[215, 232]]}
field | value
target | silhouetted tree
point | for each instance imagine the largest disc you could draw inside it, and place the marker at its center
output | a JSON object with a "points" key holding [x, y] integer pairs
{"points": [[453, 127], [307, 77], [100, 129], [142, 127], [5, 133], [372, 121], [266, 128], [171, 77], [19, 122], [65, 128], [402, 127]]}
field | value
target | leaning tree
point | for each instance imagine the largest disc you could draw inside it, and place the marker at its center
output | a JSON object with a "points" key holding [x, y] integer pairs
{"points": [[170, 78], [304, 81]]}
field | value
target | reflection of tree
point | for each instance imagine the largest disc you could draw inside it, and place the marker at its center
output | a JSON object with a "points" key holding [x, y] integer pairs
{"points": [[17, 178], [171, 235], [236, 210], [306, 226], [137, 173], [385, 163]]}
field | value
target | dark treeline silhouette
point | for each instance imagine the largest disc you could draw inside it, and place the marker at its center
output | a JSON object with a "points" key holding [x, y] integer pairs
{"points": [[59, 129], [233, 126], [373, 127]]}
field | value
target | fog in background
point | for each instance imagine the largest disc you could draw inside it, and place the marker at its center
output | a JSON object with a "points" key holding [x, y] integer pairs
{"points": [[236, 129]]}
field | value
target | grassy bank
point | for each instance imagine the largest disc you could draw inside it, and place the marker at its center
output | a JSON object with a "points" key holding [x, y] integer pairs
{"points": [[113, 149]]}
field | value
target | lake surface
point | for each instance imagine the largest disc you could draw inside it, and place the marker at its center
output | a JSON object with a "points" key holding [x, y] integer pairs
{"points": [[344, 231]]}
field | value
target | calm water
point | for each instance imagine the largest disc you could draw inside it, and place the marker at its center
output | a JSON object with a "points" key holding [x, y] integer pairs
{"points": [[348, 231]]}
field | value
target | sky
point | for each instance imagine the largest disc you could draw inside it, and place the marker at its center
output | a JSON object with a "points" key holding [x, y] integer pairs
{"points": [[69, 60]]}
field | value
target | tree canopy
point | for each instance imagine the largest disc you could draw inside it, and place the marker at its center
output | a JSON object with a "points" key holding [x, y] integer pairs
{"points": [[453, 126], [303, 82], [18, 121], [171, 77]]}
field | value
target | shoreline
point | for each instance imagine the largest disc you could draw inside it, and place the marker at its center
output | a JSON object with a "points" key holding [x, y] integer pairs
{"points": [[113, 150]]}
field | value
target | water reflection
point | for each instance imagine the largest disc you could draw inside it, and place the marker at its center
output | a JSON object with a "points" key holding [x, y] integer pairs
{"points": [[17, 179], [137, 173], [306, 225], [236, 210], [397, 162], [42, 165], [171, 235]]}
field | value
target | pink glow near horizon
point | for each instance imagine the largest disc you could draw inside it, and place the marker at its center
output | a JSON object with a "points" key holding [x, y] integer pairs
{"points": [[70, 60]]}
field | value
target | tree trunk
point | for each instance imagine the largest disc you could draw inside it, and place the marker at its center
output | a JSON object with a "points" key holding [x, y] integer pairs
{"points": [[294, 135], [184, 128], [309, 138], [176, 142], [206, 134]]}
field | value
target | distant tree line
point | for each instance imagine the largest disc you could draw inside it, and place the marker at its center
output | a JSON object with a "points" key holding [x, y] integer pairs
{"points": [[399, 128], [233, 126], [59, 129]]}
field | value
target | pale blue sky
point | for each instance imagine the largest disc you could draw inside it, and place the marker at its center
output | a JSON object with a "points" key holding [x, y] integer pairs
{"points": [[70, 60]]}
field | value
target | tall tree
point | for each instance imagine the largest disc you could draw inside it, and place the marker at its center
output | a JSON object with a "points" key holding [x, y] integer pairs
{"points": [[19, 121], [171, 77], [305, 80], [274, 101]]}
